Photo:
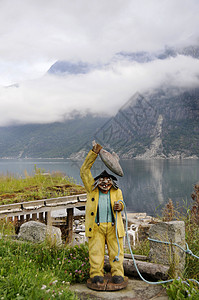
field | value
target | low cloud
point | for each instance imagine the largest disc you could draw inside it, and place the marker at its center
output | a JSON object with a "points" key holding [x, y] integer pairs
{"points": [[35, 34], [53, 98]]}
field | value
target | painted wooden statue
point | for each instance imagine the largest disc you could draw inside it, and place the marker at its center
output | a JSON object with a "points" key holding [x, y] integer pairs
{"points": [[101, 207]]}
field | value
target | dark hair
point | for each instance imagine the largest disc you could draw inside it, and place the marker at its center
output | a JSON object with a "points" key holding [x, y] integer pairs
{"points": [[105, 174]]}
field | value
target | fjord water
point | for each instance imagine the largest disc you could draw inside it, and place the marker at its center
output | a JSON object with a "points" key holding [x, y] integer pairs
{"points": [[147, 185]]}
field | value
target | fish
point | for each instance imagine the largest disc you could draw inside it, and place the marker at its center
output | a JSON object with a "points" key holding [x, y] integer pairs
{"points": [[111, 160]]}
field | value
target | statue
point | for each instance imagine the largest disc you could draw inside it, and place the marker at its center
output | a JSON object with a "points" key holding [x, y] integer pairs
{"points": [[102, 196]]}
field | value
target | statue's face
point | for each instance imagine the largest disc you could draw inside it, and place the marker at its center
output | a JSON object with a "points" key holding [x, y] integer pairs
{"points": [[105, 184]]}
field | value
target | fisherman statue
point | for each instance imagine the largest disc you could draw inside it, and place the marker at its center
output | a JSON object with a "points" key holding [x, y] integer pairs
{"points": [[102, 204]]}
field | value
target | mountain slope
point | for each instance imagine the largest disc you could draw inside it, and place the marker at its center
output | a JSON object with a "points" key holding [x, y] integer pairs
{"points": [[48, 140], [163, 123]]}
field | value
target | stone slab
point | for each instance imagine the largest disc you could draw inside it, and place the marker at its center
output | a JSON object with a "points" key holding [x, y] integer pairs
{"points": [[172, 232], [135, 290]]}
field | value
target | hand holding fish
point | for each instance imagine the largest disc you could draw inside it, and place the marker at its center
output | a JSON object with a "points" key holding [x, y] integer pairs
{"points": [[117, 206], [110, 160], [96, 147]]}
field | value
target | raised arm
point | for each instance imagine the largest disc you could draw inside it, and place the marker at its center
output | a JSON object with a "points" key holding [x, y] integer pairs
{"points": [[85, 171]]}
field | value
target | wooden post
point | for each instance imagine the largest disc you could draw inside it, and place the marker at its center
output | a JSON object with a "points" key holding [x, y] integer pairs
{"points": [[34, 217], [16, 224], [21, 219], [16, 219], [41, 219], [46, 217], [149, 270], [69, 226], [9, 219], [27, 218]]}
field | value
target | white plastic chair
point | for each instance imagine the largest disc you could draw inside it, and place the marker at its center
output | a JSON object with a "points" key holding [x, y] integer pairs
{"points": [[133, 232], [82, 236]]}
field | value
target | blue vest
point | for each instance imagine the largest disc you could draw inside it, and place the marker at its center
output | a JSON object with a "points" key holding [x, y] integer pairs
{"points": [[104, 212]]}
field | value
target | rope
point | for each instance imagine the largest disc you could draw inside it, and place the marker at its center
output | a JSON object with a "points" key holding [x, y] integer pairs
{"points": [[188, 251], [118, 253]]}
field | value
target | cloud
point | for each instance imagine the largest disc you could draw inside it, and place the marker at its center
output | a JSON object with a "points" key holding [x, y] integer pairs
{"points": [[91, 30], [34, 34], [102, 91]]}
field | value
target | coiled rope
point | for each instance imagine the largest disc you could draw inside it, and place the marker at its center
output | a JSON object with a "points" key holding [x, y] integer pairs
{"points": [[188, 251]]}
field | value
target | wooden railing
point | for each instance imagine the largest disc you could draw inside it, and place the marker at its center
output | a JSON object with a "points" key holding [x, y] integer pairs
{"points": [[18, 213]]}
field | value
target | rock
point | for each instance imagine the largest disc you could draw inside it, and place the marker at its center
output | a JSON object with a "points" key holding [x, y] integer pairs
{"points": [[143, 231], [37, 232], [172, 232], [136, 290], [141, 223]]}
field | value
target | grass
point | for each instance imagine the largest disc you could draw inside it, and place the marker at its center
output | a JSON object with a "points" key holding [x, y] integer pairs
{"points": [[178, 289], [140, 248], [34, 271], [29, 271], [40, 186], [192, 239], [191, 235]]}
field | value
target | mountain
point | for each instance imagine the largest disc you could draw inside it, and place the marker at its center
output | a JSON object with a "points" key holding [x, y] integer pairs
{"points": [[48, 140], [65, 67], [163, 123], [144, 57]]}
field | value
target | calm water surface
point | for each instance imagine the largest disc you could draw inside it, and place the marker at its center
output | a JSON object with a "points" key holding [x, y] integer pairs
{"points": [[147, 184]]}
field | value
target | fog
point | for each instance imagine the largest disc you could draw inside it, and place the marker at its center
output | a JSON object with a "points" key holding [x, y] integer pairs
{"points": [[35, 34]]}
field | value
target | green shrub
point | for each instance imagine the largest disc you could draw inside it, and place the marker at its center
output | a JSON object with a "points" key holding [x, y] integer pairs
{"points": [[29, 271], [179, 290]]}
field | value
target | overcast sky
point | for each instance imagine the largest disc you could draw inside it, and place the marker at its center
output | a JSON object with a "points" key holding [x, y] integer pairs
{"points": [[34, 34]]}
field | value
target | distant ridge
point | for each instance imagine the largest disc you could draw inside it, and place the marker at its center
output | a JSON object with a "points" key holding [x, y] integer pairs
{"points": [[53, 140], [163, 123], [62, 67], [65, 67]]}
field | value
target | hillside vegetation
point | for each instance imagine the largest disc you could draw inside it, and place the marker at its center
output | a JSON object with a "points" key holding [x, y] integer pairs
{"points": [[59, 139], [39, 186], [163, 123]]}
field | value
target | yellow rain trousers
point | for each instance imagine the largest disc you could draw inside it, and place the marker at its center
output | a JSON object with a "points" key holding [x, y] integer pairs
{"points": [[105, 232]]}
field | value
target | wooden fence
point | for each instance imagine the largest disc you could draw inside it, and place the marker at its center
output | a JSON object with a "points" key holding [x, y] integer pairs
{"points": [[40, 210]]}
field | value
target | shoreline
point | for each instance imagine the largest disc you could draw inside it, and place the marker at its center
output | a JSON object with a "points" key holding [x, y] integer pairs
{"points": [[141, 158]]}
